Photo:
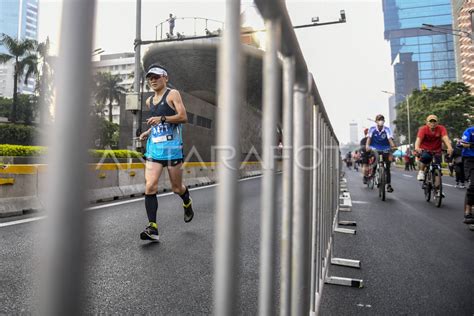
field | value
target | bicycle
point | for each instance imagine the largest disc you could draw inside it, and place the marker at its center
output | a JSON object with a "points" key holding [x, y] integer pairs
{"points": [[380, 175], [370, 173], [433, 181]]}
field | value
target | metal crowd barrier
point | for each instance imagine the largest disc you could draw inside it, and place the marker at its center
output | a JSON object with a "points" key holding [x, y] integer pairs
{"points": [[311, 173], [311, 168]]}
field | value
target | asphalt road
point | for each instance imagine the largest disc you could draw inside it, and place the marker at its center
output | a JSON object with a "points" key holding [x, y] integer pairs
{"points": [[128, 276], [415, 258]]}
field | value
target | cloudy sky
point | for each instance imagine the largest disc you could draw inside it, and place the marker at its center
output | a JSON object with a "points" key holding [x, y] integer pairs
{"points": [[350, 62]]}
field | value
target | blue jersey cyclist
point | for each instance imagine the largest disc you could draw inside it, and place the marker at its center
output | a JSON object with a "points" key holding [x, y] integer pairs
{"points": [[467, 142], [380, 138], [164, 148]]}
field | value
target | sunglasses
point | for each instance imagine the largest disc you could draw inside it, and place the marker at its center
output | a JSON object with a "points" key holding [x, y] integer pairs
{"points": [[433, 121], [156, 77]]}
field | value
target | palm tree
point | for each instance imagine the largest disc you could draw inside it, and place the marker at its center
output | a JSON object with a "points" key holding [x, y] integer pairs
{"points": [[108, 89], [43, 86], [25, 61]]}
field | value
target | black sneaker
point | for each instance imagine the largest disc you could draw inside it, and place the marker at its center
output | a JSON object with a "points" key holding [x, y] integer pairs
{"points": [[389, 188], [150, 233], [468, 219], [188, 211]]}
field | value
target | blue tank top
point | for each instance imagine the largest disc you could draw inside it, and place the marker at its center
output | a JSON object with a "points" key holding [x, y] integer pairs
{"points": [[166, 139]]}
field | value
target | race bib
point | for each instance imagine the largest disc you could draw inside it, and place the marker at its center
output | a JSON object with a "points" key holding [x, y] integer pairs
{"points": [[161, 133]]}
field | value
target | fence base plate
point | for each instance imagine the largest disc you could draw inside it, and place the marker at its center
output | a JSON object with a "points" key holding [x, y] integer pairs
{"points": [[344, 281], [346, 262]]}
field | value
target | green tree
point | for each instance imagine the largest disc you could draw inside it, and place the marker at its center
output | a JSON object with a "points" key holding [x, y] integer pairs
{"points": [[44, 81], [108, 90], [26, 110], [22, 52], [104, 133], [451, 102]]}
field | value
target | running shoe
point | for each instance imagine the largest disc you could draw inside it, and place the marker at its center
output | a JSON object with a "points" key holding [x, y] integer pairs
{"points": [[150, 233], [468, 219], [389, 188], [188, 211], [462, 186]]}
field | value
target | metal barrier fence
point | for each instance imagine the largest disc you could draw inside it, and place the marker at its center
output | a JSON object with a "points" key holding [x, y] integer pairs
{"points": [[310, 171], [311, 168]]}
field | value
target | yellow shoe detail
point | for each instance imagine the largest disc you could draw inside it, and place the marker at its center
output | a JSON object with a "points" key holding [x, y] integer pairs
{"points": [[187, 205]]}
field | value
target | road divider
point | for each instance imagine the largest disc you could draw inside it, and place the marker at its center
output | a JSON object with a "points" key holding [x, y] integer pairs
{"points": [[22, 187]]}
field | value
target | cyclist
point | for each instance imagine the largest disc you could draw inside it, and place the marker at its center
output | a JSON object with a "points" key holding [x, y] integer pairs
{"points": [[356, 160], [164, 147], [380, 138], [364, 156], [429, 140], [348, 160], [468, 157]]}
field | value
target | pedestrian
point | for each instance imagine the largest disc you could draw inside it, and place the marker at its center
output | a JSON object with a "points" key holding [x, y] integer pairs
{"points": [[164, 148], [467, 142], [171, 21], [406, 158], [458, 165]]}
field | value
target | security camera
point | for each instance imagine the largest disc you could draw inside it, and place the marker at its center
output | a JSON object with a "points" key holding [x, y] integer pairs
{"points": [[343, 15], [315, 19]]}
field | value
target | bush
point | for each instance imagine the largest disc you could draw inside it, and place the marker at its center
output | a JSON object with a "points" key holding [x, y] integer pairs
{"points": [[22, 151], [31, 151], [17, 134]]}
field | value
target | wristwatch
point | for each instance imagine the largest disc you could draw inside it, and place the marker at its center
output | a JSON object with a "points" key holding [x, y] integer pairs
{"points": [[163, 119]]}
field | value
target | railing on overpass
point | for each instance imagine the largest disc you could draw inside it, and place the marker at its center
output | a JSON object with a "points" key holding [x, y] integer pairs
{"points": [[310, 171], [310, 194]]}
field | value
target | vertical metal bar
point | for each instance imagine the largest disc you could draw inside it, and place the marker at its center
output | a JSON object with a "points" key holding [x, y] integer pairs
{"points": [[138, 74], [66, 197], [287, 190], [320, 204], [300, 275], [227, 212], [325, 195], [314, 210], [271, 99]]}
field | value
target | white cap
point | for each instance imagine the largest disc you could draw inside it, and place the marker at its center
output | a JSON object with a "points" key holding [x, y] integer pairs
{"points": [[157, 71]]}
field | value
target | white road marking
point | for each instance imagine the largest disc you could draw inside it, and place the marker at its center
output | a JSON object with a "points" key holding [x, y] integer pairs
{"points": [[448, 185], [408, 176], [33, 219], [21, 221], [360, 202]]}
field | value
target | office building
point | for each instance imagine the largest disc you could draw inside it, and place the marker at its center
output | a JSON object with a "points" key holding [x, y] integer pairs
{"points": [[463, 27], [122, 65], [18, 19], [353, 132], [420, 58]]}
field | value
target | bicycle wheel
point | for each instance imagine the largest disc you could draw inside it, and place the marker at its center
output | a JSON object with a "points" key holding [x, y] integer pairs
{"points": [[437, 190], [427, 186], [382, 181]]}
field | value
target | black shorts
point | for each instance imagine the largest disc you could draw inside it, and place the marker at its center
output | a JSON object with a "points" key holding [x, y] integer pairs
{"points": [[469, 168], [166, 163]]}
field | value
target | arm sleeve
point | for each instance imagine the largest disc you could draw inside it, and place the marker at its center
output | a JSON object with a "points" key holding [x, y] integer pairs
{"points": [[389, 132]]}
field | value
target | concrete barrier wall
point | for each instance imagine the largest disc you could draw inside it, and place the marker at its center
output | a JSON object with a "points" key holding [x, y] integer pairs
{"points": [[22, 186]]}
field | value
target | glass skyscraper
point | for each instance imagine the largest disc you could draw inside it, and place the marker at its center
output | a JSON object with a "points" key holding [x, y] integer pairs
{"points": [[18, 19], [420, 58]]}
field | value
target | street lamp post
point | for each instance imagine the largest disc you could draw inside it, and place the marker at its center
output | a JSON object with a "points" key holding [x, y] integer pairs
{"points": [[407, 98]]}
